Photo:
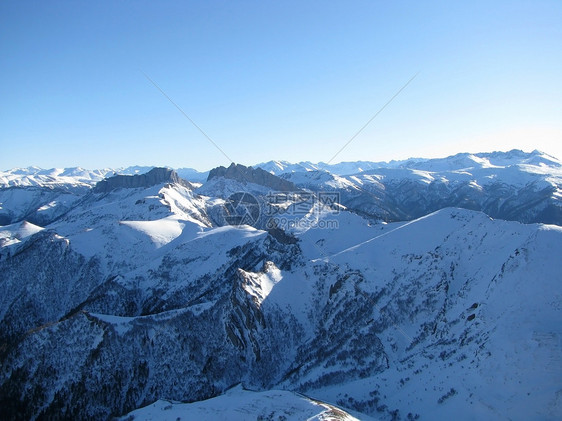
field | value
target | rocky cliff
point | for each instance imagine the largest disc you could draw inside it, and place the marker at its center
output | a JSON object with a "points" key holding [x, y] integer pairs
{"points": [[154, 176], [258, 176]]}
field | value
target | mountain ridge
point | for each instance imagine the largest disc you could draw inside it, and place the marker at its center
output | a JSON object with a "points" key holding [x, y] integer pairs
{"points": [[258, 176], [397, 298], [156, 175], [511, 185], [38, 176]]}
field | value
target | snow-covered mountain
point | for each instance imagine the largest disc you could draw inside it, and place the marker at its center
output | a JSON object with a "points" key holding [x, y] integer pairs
{"points": [[54, 177], [77, 177], [455, 162], [525, 187], [155, 298], [514, 185], [41, 196], [238, 404]]}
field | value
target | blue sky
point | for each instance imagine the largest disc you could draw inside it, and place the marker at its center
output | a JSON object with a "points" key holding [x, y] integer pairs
{"points": [[275, 80]]}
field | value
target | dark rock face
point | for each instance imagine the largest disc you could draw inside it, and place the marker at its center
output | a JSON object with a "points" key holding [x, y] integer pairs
{"points": [[151, 178], [252, 175]]}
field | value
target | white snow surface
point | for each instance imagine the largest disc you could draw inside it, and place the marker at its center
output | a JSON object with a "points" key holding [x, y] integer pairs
{"points": [[16, 233], [128, 223], [238, 404], [517, 370]]}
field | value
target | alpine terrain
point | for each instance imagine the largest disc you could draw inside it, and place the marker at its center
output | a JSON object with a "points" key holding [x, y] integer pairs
{"points": [[418, 289]]}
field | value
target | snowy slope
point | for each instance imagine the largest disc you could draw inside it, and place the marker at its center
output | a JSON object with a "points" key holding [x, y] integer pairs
{"points": [[39, 205], [240, 404], [17, 233], [141, 298], [470, 333], [123, 224], [451, 313]]}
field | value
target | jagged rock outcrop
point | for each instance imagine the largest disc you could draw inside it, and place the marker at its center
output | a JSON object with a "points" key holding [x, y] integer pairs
{"points": [[258, 176], [155, 176]]}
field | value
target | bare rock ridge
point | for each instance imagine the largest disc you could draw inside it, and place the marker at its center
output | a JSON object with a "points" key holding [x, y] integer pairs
{"points": [[245, 174], [155, 176]]}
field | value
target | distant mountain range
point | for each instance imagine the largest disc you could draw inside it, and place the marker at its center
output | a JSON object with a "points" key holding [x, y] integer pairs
{"points": [[420, 289], [31, 176], [77, 177], [512, 185]]}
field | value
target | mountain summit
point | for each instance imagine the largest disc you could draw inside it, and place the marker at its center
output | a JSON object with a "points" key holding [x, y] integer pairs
{"points": [[245, 174], [151, 178]]}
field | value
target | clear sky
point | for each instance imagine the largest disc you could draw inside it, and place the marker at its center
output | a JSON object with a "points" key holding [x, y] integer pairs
{"points": [[286, 80]]}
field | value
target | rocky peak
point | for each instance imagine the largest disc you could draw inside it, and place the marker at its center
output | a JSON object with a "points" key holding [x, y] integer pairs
{"points": [[155, 176], [245, 174]]}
